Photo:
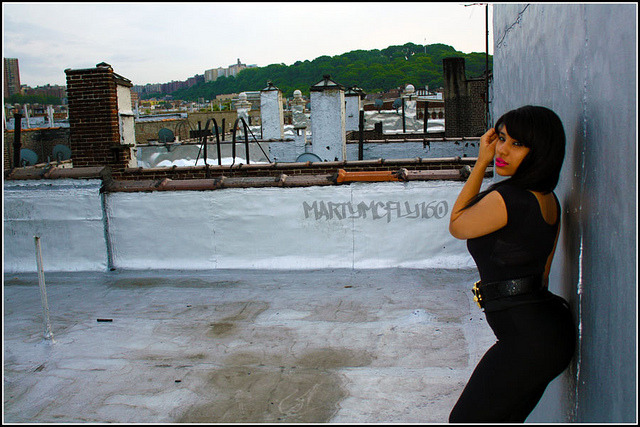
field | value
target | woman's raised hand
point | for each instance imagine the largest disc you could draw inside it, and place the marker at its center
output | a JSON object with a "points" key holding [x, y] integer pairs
{"points": [[487, 147]]}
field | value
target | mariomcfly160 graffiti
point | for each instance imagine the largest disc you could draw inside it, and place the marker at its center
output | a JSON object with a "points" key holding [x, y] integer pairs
{"points": [[391, 210]]}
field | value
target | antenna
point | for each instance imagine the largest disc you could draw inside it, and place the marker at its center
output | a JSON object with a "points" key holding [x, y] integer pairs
{"points": [[308, 157], [166, 135], [61, 152], [28, 157]]}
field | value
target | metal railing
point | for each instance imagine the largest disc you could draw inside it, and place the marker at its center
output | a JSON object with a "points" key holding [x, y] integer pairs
{"points": [[246, 129], [205, 133]]}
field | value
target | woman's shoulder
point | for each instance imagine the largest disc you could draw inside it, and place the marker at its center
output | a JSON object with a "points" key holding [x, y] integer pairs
{"points": [[508, 188], [516, 198], [511, 191]]}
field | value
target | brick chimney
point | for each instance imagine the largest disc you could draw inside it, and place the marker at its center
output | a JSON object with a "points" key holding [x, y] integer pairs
{"points": [[464, 103], [100, 118]]}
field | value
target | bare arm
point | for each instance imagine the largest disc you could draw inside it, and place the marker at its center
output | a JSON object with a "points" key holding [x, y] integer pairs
{"points": [[490, 213]]}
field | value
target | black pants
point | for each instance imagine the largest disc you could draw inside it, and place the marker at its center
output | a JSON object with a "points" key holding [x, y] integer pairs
{"points": [[535, 344]]}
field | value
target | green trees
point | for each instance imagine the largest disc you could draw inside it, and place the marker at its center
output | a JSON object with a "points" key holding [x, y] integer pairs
{"points": [[33, 99], [373, 70]]}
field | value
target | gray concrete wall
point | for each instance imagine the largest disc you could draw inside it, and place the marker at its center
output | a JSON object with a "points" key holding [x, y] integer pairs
{"points": [[580, 60]]}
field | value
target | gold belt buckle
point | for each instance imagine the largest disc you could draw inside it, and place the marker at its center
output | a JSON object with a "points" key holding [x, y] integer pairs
{"points": [[476, 293]]}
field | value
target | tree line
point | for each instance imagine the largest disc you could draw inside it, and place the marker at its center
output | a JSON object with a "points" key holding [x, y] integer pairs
{"points": [[371, 70], [17, 98]]}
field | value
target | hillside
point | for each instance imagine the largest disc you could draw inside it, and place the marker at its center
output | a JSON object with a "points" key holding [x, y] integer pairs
{"points": [[372, 70]]}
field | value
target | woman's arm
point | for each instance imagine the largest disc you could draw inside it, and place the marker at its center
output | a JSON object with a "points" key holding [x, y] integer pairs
{"points": [[490, 213]]}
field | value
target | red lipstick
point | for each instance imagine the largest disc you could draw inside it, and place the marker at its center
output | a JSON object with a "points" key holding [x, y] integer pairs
{"points": [[500, 162]]}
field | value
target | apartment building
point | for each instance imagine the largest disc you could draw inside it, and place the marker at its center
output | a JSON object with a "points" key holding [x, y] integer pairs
{"points": [[11, 76]]}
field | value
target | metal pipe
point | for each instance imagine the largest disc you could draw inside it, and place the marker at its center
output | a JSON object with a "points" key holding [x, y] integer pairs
{"points": [[17, 128], [404, 130], [215, 126], [233, 142], [246, 139], [258, 144], [48, 334], [361, 135], [365, 176], [204, 143], [26, 115], [426, 116], [245, 128]]}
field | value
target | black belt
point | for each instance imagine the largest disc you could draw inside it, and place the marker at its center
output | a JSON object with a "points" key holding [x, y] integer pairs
{"points": [[484, 292]]}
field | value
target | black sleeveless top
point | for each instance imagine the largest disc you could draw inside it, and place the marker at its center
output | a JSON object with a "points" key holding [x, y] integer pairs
{"points": [[520, 248]]}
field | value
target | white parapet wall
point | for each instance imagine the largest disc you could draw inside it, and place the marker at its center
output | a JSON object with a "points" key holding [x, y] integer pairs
{"points": [[363, 225], [68, 217]]}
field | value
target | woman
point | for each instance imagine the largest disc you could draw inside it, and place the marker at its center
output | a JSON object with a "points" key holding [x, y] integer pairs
{"points": [[512, 230]]}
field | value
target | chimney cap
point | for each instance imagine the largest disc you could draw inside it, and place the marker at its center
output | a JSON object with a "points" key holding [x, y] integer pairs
{"points": [[355, 91], [269, 87], [103, 65], [326, 84]]}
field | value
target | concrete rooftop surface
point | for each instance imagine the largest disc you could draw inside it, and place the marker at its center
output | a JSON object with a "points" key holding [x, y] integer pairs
{"points": [[246, 346]]}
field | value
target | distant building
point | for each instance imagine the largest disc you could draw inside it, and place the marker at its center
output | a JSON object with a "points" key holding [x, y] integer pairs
{"points": [[192, 81], [11, 76], [47, 90], [232, 70], [236, 68], [252, 96], [148, 88], [210, 75]]}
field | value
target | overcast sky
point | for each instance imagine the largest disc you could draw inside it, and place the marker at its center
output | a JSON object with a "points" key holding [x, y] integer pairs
{"points": [[160, 42]]}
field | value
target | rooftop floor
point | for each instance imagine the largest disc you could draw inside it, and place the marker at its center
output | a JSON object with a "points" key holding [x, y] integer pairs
{"points": [[324, 346]]}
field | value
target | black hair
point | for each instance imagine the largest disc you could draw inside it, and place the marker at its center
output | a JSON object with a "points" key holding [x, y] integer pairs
{"points": [[541, 130]]}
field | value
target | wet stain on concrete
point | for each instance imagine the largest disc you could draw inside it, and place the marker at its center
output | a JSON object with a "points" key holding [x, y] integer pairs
{"points": [[329, 358], [309, 390], [220, 329], [343, 311], [238, 312], [152, 282], [197, 356], [14, 281]]}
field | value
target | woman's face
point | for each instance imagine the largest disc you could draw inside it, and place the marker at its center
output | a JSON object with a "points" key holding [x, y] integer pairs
{"points": [[509, 153]]}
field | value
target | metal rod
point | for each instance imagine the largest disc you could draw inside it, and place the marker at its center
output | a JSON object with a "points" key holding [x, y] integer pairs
{"points": [[246, 139], [204, 144], [233, 142], [48, 334], [404, 130], [215, 125], [258, 144], [17, 127], [426, 116], [361, 135]]}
